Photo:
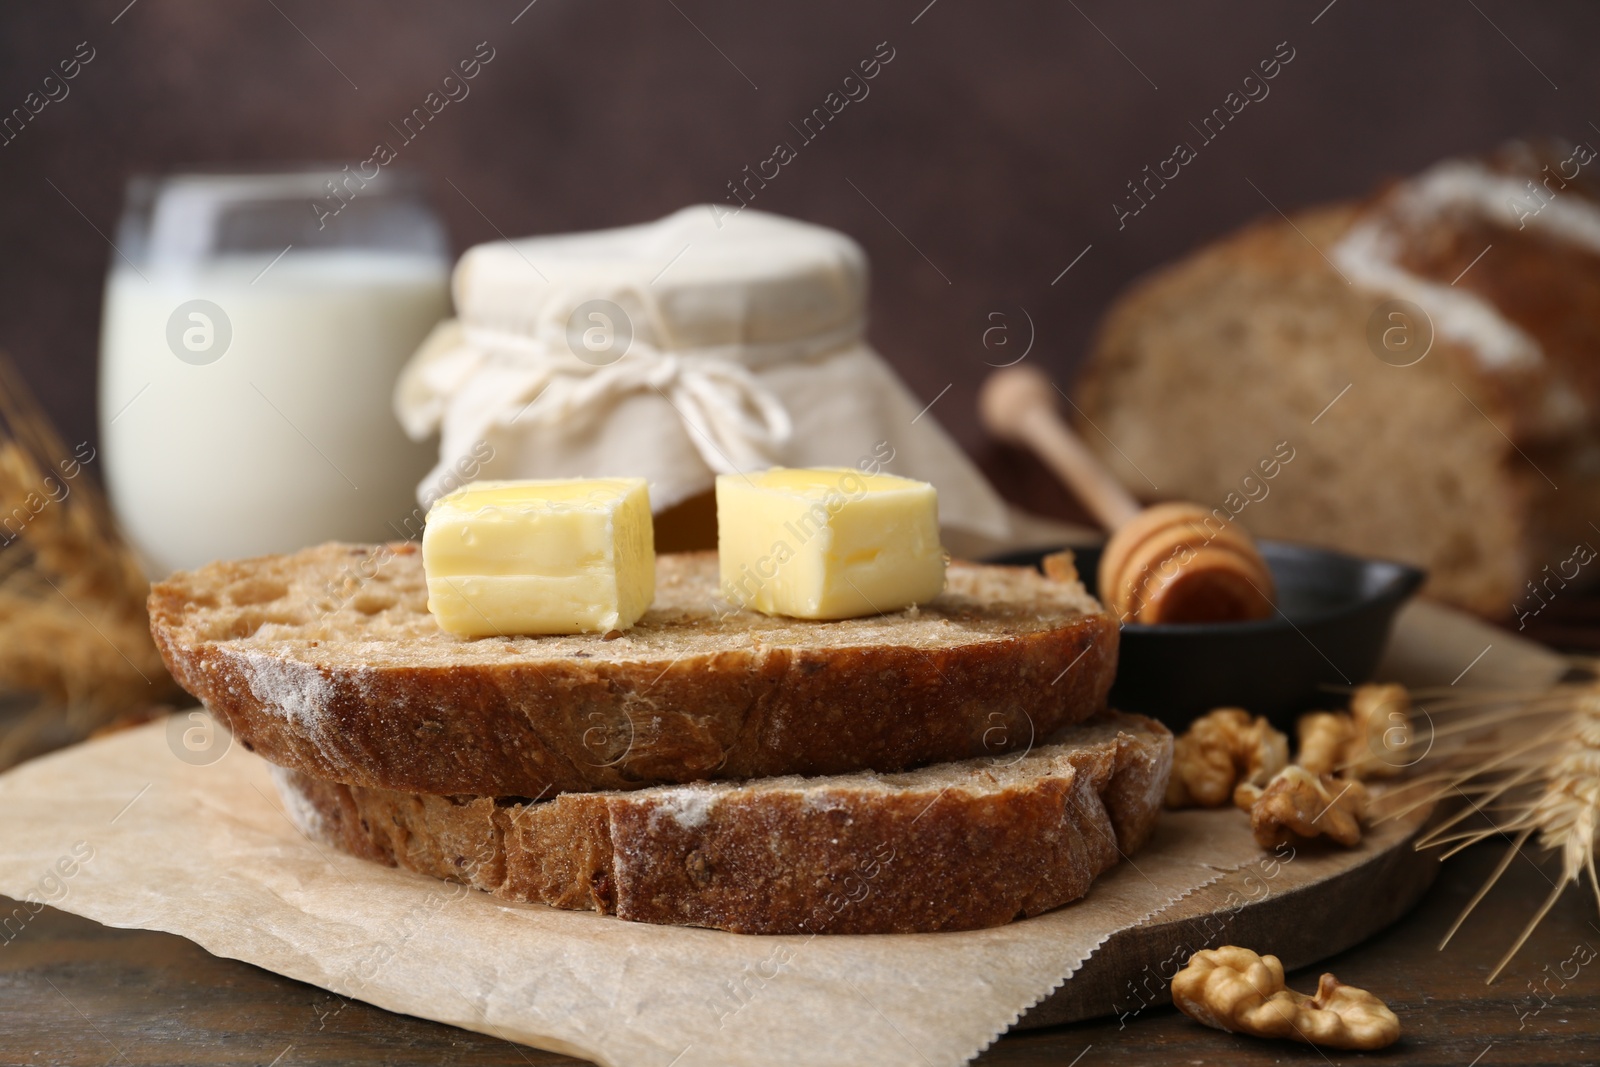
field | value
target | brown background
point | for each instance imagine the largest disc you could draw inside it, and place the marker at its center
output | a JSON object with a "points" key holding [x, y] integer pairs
{"points": [[996, 140]]}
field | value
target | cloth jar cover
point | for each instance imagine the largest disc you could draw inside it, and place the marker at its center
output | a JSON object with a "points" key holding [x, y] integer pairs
{"points": [[706, 342]]}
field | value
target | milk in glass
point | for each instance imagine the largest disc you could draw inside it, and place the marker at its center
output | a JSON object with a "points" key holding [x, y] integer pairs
{"points": [[248, 357]]}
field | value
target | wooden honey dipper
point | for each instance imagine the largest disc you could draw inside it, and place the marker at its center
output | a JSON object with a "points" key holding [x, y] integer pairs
{"points": [[1174, 562]]}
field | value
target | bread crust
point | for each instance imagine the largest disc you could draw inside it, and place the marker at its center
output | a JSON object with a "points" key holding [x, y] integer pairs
{"points": [[325, 661], [949, 847]]}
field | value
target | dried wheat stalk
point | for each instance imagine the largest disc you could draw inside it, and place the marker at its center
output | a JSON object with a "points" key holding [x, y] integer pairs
{"points": [[73, 629], [1528, 763]]}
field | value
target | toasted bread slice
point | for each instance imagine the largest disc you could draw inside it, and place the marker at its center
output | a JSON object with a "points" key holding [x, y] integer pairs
{"points": [[327, 661], [954, 846]]}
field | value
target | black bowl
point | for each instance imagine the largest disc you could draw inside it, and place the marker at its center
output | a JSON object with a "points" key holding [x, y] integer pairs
{"points": [[1334, 614]]}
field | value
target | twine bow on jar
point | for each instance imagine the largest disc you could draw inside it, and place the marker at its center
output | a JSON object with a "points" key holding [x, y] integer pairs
{"points": [[734, 421]]}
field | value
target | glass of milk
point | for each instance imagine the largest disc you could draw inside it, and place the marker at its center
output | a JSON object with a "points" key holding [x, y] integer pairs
{"points": [[254, 326]]}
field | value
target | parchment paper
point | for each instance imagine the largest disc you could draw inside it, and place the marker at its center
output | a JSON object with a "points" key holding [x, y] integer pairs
{"points": [[124, 831]]}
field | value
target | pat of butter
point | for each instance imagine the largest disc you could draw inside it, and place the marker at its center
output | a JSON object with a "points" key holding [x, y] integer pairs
{"points": [[829, 543], [540, 557]]}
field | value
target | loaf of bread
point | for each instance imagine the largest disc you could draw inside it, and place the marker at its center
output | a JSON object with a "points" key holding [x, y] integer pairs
{"points": [[1413, 376], [954, 846], [327, 661]]}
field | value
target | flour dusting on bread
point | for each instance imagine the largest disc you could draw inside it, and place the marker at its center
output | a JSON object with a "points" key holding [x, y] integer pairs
{"points": [[297, 807], [295, 690], [687, 805]]}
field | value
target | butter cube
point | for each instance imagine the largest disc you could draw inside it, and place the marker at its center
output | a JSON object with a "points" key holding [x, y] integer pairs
{"points": [[540, 557], [828, 543]]}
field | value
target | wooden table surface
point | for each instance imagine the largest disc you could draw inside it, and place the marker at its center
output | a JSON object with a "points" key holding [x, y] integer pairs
{"points": [[75, 992]]}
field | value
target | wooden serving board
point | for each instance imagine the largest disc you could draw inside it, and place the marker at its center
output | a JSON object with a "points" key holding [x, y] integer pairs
{"points": [[1299, 904], [1326, 899]]}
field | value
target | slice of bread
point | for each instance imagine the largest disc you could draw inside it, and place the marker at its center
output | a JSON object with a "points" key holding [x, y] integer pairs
{"points": [[954, 846], [327, 661]]}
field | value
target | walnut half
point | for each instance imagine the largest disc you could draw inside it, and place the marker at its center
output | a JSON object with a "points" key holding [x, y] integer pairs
{"points": [[1234, 989], [1220, 750], [1372, 741], [1325, 738], [1383, 741], [1060, 566], [1298, 805]]}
